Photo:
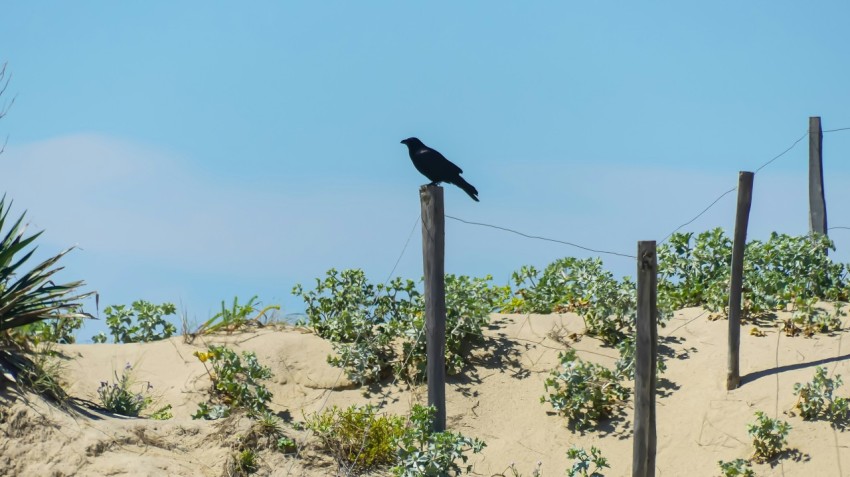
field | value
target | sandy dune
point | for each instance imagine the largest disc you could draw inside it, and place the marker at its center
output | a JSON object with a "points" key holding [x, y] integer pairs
{"points": [[496, 399]]}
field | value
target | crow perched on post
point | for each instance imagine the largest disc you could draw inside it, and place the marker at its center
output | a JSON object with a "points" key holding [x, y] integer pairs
{"points": [[435, 167]]}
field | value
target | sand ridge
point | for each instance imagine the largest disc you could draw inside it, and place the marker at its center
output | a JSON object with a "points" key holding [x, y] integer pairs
{"points": [[496, 399]]}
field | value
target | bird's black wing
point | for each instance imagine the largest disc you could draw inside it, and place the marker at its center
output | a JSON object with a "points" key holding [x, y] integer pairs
{"points": [[446, 166]]}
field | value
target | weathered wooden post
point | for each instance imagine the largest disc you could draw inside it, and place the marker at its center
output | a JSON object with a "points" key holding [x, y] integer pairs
{"points": [[433, 260], [736, 284], [817, 199], [646, 356]]}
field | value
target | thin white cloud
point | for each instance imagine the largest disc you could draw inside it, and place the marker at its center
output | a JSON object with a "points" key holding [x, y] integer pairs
{"points": [[127, 199]]}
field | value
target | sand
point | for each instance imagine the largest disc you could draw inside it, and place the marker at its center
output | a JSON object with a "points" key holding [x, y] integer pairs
{"points": [[496, 399]]}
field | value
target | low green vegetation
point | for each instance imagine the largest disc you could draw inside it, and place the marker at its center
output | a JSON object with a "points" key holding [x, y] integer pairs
{"points": [[43, 373], [162, 414], [693, 270], [141, 322], [433, 454], [236, 383], [583, 461], [769, 437], [54, 330], [376, 330], [817, 399], [736, 468], [782, 272], [358, 436], [119, 397], [362, 439], [608, 306], [360, 319], [237, 316], [266, 434], [469, 302], [237, 386], [625, 364], [585, 393], [244, 462]]}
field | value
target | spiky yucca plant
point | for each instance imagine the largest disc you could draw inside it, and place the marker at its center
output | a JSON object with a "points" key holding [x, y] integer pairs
{"points": [[27, 297]]}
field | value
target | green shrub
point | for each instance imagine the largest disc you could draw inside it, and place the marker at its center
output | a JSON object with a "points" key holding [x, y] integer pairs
{"points": [[358, 436], [236, 383], [796, 271], [469, 302], [607, 306], [817, 399], [695, 272], [118, 397], [55, 330], [625, 364], [360, 319], [583, 461], [365, 322], [584, 392], [364, 361], [769, 436], [423, 453], [810, 319], [783, 271], [736, 468], [345, 307], [142, 322]]}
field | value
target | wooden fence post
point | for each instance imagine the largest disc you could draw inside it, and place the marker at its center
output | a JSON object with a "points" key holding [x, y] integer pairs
{"points": [[646, 356], [739, 243], [817, 200], [433, 260]]}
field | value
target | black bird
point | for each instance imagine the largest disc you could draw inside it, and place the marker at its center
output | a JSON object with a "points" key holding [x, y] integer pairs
{"points": [[437, 168]]}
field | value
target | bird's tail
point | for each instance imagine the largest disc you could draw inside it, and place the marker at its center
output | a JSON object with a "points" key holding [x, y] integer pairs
{"points": [[467, 187]]}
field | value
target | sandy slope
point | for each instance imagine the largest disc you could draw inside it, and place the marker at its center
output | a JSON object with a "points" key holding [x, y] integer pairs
{"points": [[497, 400]]}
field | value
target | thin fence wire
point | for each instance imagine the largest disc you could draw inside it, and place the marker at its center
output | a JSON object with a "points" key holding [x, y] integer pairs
{"points": [[698, 215], [345, 362], [759, 168], [685, 224], [783, 152], [537, 237], [715, 201]]}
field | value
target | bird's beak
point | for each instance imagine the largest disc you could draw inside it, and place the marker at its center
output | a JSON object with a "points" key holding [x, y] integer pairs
{"points": [[401, 142]]}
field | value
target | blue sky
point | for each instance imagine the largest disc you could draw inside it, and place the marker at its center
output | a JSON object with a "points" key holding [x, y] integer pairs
{"points": [[196, 151]]}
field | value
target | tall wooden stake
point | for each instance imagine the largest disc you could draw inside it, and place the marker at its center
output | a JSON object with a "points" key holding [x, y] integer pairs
{"points": [[646, 356], [817, 200], [739, 243], [433, 260]]}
